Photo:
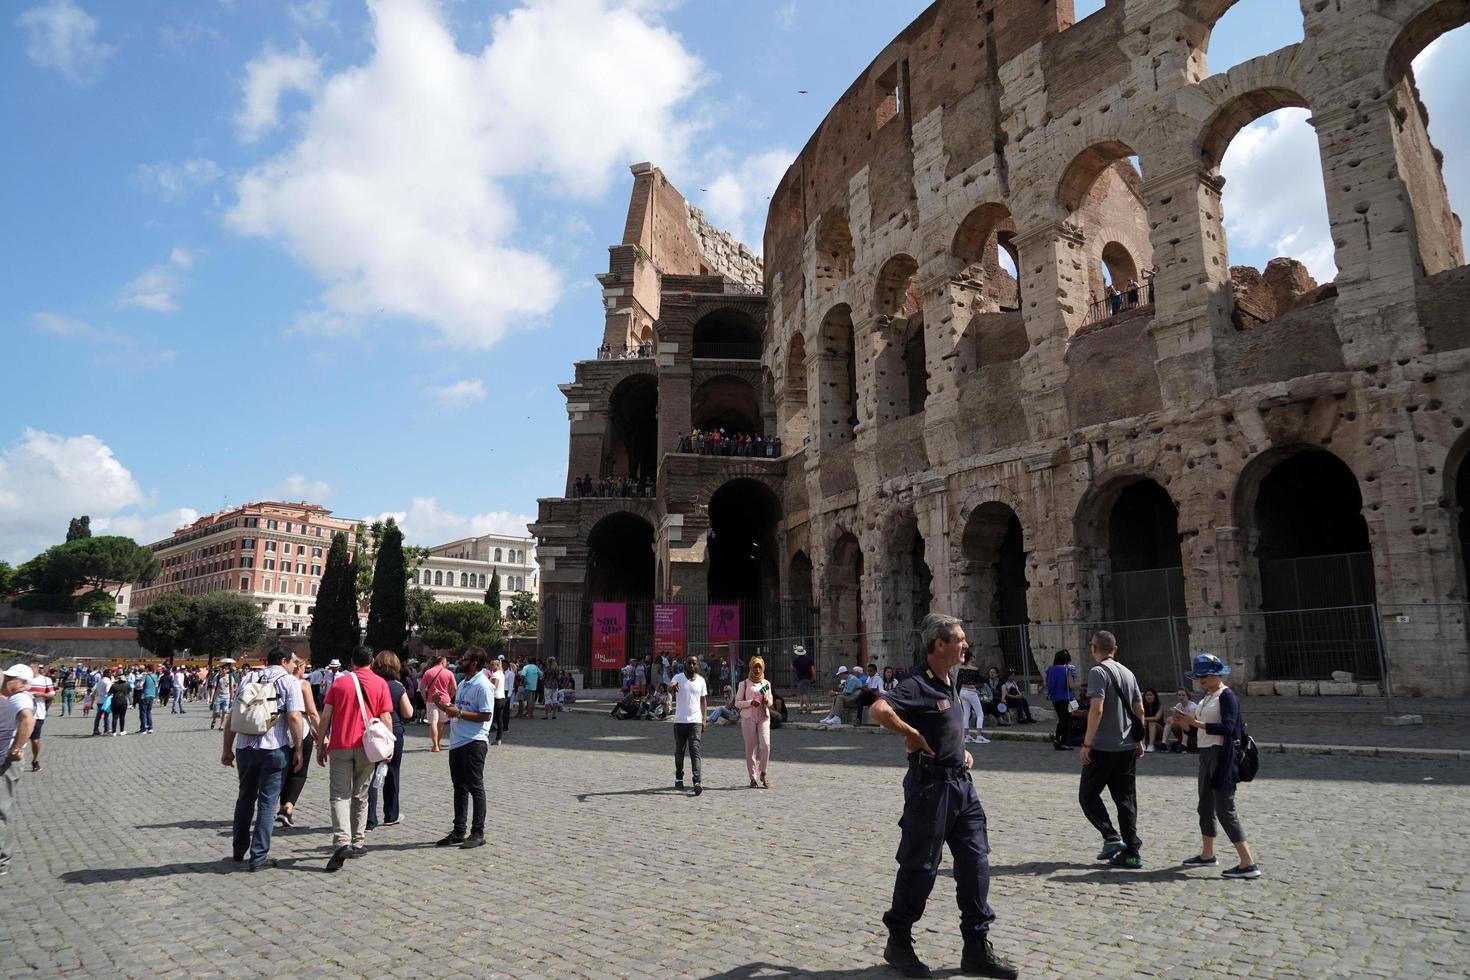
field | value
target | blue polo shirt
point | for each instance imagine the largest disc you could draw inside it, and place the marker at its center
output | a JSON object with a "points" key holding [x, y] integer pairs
{"points": [[150, 685], [478, 695]]}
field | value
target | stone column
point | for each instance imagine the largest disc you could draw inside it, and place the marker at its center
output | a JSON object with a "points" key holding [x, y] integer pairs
{"points": [[1054, 302]]}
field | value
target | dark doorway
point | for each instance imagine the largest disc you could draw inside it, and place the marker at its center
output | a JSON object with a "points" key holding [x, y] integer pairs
{"points": [[921, 592], [742, 542], [916, 369], [844, 626], [727, 334], [620, 558], [1144, 587], [729, 403], [632, 445]]}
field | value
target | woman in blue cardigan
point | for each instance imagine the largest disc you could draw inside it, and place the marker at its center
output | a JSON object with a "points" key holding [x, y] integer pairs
{"points": [[1220, 725]]}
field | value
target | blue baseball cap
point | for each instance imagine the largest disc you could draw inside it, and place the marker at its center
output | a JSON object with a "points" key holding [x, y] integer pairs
{"points": [[1209, 665]]}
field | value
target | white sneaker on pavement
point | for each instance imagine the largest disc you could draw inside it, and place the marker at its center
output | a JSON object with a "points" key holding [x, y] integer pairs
{"points": [[981, 740]]}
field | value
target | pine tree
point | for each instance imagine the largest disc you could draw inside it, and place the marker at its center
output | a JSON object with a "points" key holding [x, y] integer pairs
{"points": [[334, 622], [388, 614], [80, 527], [492, 594]]}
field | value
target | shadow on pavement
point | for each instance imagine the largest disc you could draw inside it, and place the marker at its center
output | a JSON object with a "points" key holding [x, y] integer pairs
{"points": [[1034, 869], [189, 825], [752, 971], [659, 791], [92, 875], [1121, 876]]}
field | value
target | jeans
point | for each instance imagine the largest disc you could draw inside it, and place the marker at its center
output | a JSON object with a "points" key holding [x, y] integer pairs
{"points": [[1114, 770], [502, 717], [102, 719], [687, 734], [467, 772], [67, 699], [178, 701], [145, 714], [390, 788], [349, 774], [262, 772]]}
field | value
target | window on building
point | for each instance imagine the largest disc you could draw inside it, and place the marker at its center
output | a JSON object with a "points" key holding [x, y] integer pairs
{"points": [[316, 552], [438, 578], [270, 564], [247, 544], [288, 527], [270, 525], [267, 586], [299, 587], [297, 609], [300, 568], [285, 586], [270, 546], [313, 588], [286, 548], [316, 570], [497, 554], [280, 607], [244, 583]]}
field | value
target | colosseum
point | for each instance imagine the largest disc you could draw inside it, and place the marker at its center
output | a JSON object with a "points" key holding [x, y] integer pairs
{"points": [[996, 362]]}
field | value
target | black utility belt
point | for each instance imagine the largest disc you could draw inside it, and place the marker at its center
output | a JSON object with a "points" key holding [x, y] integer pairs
{"points": [[930, 766]]}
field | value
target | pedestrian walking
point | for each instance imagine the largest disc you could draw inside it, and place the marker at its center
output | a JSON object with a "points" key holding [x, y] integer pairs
{"points": [[804, 668], [969, 680], [940, 805], [180, 684], [269, 742], [356, 697], [1218, 721], [754, 701], [469, 735], [1061, 691], [43, 691], [498, 682], [219, 695], [147, 688], [68, 692], [691, 695], [386, 666], [17, 718], [531, 675], [101, 692], [1111, 750], [438, 687], [296, 778]]}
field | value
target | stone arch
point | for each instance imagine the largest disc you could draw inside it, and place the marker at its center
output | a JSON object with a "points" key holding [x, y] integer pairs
{"points": [[630, 447], [1118, 264], [834, 252], [795, 405], [991, 583], [844, 627], [1102, 194], [1307, 568], [741, 555], [728, 402], [1210, 13], [837, 404], [974, 258], [1086, 168], [901, 377], [799, 576], [906, 586], [1237, 112], [620, 557], [727, 332]]}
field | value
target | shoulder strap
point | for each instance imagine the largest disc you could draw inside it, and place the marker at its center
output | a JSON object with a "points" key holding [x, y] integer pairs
{"points": [[360, 705]]}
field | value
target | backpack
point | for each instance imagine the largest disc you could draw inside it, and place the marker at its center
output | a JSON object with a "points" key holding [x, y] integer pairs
{"points": [[256, 709], [1247, 757]]}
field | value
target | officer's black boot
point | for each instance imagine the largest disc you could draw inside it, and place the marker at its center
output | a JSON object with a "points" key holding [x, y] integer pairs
{"points": [[899, 954], [980, 960]]}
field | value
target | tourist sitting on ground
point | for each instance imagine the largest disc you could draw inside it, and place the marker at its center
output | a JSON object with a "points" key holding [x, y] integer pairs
{"points": [[650, 701], [1155, 720], [1180, 733], [1015, 701], [992, 697], [844, 697], [627, 708], [726, 712], [779, 714], [872, 687]]}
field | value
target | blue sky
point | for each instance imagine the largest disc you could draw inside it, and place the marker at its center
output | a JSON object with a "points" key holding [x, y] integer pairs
{"points": [[346, 251]]}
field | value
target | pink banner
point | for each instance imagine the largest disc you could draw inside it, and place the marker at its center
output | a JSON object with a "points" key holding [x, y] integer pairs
{"points": [[668, 631], [724, 630], [609, 635]]}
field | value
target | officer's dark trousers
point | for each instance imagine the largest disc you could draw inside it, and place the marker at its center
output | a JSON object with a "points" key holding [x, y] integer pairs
{"points": [[1116, 772], [941, 806], [687, 735]]}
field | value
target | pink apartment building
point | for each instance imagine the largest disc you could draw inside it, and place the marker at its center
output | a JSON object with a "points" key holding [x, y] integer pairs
{"points": [[272, 552]]}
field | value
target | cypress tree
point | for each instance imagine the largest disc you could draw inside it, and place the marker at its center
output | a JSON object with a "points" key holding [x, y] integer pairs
{"points": [[388, 613], [334, 622], [492, 594]]}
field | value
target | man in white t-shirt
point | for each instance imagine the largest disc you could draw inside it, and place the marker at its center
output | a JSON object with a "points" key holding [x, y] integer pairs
{"points": [[42, 690], [17, 716], [691, 695], [497, 683]]}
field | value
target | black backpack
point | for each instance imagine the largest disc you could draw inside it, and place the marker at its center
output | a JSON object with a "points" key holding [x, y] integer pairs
{"points": [[1247, 757]]}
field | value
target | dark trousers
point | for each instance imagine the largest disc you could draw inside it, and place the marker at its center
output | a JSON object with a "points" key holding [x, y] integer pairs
{"points": [[502, 717], [940, 806], [119, 715], [1217, 803], [467, 772], [145, 714], [102, 719], [390, 789], [1116, 771], [1064, 720], [687, 734], [296, 781], [262, 773]]}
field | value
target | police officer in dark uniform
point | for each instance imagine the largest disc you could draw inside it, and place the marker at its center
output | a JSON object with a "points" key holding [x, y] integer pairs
{"points": [[940, 806]]}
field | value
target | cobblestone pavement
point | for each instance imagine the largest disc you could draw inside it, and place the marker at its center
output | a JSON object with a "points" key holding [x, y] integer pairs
{"points": [[121, 839]]}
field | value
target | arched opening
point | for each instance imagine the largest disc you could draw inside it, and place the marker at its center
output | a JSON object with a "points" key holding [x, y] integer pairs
{"points": [[983, 263], [620, 558], [729, 334], [1314, 565], [1142, 578], [901, 383], [845, 640], [729, 403], [921, 594], [1118, 266], [799, 579], [834, 252], [1237, 30], [795, 412], [1278, 242], [1427, 77], [743, 515], [632, 423], [1102, 193], [837, 379], [992, 586]]}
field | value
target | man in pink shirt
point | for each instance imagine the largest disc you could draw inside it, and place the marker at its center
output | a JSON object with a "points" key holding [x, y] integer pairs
{"points": [[340, 738], [437, 686]]}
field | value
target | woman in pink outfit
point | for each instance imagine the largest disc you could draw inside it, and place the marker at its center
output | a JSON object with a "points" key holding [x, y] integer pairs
{"points": [[754, 701]]}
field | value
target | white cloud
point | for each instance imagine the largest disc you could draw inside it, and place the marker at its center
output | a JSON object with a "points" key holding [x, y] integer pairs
{"points": [[396, 193], [47, 479], [146, 528], [157, 288], [175, 181], [1274, 200], [109, 346], [298, 487], [311, 15], [460, 393], [737, 199], [425, 524], [786, 16], [63, 36], [268, 79]]}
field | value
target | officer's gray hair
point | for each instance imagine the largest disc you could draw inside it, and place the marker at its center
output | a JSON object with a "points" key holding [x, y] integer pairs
{"points": [[1106, 642], [937, 626]]}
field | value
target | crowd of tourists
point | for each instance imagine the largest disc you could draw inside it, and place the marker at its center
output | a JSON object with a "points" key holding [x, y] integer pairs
{"points": [[614, 486], [624, 352], [721, 442]]}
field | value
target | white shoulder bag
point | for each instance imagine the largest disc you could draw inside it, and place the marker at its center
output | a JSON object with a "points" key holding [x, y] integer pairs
{"points": [[377, 738]]}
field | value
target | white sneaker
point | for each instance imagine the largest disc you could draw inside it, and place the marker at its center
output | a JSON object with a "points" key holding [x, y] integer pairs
{"points": [[1148, 748], [981, 740]]}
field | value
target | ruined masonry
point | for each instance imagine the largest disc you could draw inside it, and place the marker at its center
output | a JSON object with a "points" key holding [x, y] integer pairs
{"points": [[1220, 459]]}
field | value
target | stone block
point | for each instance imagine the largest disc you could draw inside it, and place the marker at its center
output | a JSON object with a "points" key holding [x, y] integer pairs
{"points": [[1307, 689], [1288, 689], [1256, 689], [1396, 721], [1342, 676], [1369, 691], [1331, 689]]}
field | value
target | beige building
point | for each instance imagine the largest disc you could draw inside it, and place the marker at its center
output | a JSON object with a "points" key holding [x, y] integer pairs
{"points": [[460, 571]]}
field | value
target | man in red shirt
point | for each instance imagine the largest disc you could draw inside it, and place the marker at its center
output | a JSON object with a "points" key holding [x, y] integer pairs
{"points": [[344, 719], [437, 686]]}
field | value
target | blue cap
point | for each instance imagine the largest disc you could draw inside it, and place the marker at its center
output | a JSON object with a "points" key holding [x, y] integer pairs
{"points": [[1209, 665]]}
